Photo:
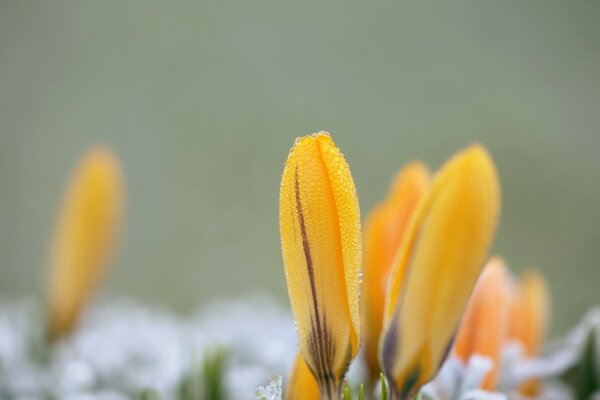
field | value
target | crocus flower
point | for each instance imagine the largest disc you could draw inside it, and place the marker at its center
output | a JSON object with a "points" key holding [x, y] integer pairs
{"points": [[436, 268], [529, 319], [84, 237], [319, 222], [384, 230], [301, 384], [484, 327]]}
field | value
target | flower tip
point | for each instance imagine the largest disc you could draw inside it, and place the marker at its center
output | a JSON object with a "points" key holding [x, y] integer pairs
{"points": [[477, 148], [101, 153], [475, 167], [479, 158], [536, 302], [414, 174], [302, 141], [496, 267], [480, 176], [413, 167], [321, 135], [533, 278]]}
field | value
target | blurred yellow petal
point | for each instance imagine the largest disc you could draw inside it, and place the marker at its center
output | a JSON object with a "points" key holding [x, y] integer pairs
{"points": [[301, 384], [436, 269], [484, 327], [84, 237], [529, 319], [321, 243], [384, 229]]}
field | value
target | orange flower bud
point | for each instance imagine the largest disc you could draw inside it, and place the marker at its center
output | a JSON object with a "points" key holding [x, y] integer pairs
{"points": [[484, 327], [529, 319], [384, 230]]}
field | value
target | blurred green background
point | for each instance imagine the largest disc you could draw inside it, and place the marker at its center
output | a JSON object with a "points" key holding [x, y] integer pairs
{"points": [[202, 101]]}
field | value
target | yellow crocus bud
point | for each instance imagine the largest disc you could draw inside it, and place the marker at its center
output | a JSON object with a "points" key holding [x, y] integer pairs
{"points": [[484, 327], [530, 315], [529, 320], [301, 384], [84, 238], [384, 229], [319, 222], [436, 268]]}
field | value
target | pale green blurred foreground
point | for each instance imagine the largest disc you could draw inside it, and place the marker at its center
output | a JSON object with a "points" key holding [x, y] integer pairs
{"points": [[202, 102]]}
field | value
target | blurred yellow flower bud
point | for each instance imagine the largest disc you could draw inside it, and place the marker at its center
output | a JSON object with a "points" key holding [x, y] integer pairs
{"points": [[484, 327], [529, 319], [84, 238], [384, 229], [319, 222], [301, 384], [436, 268]]}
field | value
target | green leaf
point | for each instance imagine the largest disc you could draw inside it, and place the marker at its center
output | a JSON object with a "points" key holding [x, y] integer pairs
{"points": [[423, 396], [149, 394], [584, 377], [347, 392], [190, 386], [384, 391], [205, 380], [213, 373]]}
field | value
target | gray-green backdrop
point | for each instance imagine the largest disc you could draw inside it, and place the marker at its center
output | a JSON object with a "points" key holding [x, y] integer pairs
{"points": [[202, 101]]}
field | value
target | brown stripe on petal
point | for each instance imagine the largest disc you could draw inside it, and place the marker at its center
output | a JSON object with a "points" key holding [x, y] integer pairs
{"points": [[321, 344], [410, 384], [308, 257], [314, 349], [325, 376], [392, 334], [388, 351], [329, 350]]}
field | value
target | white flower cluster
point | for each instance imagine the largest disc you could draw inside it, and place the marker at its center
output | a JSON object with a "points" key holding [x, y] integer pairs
{"points": [[122, 348], [457, 381]]}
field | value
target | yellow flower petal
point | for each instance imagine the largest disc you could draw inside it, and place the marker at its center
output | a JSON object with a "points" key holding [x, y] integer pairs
{"points": [[301, 384], [384, 230], [84, 237], [320, 238], [436, 269], [484, 327], [530, 318]]}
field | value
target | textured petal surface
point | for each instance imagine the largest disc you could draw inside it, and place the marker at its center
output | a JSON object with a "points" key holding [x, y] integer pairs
{"points": [[321, 244], [484, 327], [437, 267], [384, 230], [84, 237]]}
